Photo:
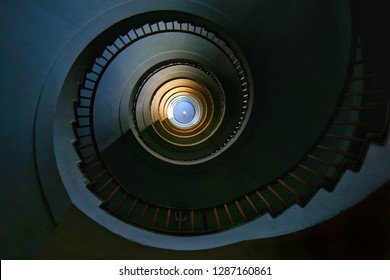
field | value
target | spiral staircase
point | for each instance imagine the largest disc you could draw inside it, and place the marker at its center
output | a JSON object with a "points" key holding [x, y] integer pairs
{"points": [[188, 125]]}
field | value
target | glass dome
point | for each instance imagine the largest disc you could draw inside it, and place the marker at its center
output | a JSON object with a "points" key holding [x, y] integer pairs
{"points": [[184, 112]]}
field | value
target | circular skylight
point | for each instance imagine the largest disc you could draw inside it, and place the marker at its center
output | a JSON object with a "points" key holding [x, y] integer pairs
{"points": [[184, 112]]}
